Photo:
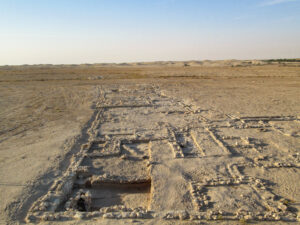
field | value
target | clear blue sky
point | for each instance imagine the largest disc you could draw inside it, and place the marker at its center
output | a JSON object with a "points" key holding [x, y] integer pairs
{"points": [[90, 31]]}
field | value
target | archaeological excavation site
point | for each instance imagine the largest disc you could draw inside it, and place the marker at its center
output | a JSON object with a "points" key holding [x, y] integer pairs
{"points": [[154, 112], [158, 150]]}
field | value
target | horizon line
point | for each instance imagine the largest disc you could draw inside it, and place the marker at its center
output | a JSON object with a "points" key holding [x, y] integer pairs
{"points": [[146, 61]]}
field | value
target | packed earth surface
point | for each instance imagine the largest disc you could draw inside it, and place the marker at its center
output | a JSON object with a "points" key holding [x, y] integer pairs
{"points": [[211, 142]]}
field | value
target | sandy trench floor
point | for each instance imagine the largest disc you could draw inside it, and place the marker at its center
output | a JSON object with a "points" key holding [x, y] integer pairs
{"points": [[151, 150]]}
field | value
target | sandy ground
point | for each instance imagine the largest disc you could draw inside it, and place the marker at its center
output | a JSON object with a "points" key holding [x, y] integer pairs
{"points": [[166, 143]]}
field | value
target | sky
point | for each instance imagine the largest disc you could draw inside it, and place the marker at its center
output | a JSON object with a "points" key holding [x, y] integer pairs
{"points": [[95, 31]]}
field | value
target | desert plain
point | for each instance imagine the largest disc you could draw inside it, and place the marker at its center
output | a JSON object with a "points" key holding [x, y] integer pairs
{"points": [[196, 142]]}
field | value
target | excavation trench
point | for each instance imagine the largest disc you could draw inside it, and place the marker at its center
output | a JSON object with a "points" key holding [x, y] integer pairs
{"points": [[109, 194]]}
